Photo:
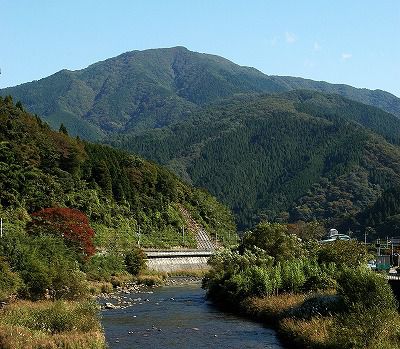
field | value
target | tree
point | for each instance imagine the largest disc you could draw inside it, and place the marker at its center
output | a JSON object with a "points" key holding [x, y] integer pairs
{"points": [[102, 177], [307, 231], [344, 253], [19, 106], [134, 261], [71, 224], [63, 129], [275, 240]]}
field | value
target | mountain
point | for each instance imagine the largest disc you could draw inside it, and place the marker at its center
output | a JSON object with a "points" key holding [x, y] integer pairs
{"points": [[287, 156], [141, 90], [125, 197], [297, 155]]}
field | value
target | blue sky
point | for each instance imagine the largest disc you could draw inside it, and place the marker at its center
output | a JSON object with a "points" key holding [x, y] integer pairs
{"points": [[356, 42]]}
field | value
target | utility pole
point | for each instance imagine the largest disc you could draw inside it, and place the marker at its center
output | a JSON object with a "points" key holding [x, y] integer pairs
{"points": [[1, 222], [183, 234], [378, 246], [138, 235]]}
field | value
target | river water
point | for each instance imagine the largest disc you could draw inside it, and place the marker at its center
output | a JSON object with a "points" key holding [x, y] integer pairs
{"points": [[181, 317]]}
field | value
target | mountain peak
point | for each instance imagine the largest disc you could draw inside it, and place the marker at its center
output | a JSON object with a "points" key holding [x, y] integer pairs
{"points": [[155, 87]]}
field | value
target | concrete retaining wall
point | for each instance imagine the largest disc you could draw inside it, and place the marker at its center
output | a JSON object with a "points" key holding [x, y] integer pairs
{"points": [[177, 263]]}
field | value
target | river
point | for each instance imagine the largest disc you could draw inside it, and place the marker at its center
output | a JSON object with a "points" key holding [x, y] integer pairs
{"points": [[181, 317]]}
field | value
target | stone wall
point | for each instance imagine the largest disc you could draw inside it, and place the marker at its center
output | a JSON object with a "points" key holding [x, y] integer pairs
{"points": [[171, 264]]}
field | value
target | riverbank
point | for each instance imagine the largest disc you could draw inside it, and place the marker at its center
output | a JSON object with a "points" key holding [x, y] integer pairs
{"points": [[50, 325], [297, 318], [74, 324], [312, 304], [316, 321]]}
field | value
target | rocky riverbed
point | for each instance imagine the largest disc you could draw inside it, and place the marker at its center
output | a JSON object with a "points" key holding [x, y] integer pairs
{"points": [[123, 297], [178, 316]]}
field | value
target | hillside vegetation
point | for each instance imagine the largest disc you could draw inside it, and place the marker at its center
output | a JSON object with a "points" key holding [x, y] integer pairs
{"points": [[294, 156], [120, 193]]}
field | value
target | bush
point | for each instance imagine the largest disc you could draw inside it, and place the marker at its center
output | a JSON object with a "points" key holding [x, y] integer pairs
{"points": [[370, 319], [319, 282], [135, 261], [275, 240], [102, 267], [363, 328], [9, 282], [293, 277], [365, 288], [151, 280], [49, 268]]}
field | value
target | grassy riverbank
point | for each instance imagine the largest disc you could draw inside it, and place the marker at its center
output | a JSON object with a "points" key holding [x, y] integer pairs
{"points": [[310, 321], [319, 320], [48, 324], [316, 296]]}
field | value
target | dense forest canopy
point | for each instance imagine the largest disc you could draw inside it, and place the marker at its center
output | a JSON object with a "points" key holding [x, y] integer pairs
{"points": [[294, 156]]}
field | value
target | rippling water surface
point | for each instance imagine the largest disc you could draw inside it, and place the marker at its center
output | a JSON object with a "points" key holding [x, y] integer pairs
{"points": [[180, 317]]}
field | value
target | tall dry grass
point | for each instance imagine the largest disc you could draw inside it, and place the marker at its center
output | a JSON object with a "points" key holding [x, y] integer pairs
{"points": [[313, 333], [271, 309], [48, 325]]}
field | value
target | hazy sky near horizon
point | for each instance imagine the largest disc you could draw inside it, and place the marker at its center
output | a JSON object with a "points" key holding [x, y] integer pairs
{"points": [[355, 42]]}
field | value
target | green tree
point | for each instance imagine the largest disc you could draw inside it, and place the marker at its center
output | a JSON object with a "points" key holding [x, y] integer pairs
{"points": [[275, 240], [19, 106], [343, 253], [63, 129], [135, 261]]}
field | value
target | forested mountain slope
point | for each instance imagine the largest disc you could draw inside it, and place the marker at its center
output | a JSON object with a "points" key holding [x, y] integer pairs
{"points": [[148, 89], [380, 220], [295, 156], [120, 193]]}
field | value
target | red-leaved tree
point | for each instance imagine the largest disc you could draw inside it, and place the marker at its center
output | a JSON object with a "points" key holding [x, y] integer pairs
{"points": [[71, 224]]}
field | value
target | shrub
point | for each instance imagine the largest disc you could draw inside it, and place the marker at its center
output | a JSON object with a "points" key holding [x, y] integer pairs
{"points": [[9, 282], [135, 261], [362, 287], [370, 319], [151, 280], [293, 277], [52, 317], [47, 324], [275, 240], [102, 267], [48, 267], [363, 328]]}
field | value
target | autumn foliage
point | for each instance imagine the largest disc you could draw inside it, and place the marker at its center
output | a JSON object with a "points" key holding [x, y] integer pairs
{"points": [[71, 224]]}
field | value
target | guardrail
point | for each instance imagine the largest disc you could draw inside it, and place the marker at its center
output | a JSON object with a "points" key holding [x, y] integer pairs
{"points": [[393, 277], [179, 253]]}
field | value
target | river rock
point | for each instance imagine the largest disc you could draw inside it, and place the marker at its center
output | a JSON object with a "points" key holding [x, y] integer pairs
{"points": [[110, 306]]}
